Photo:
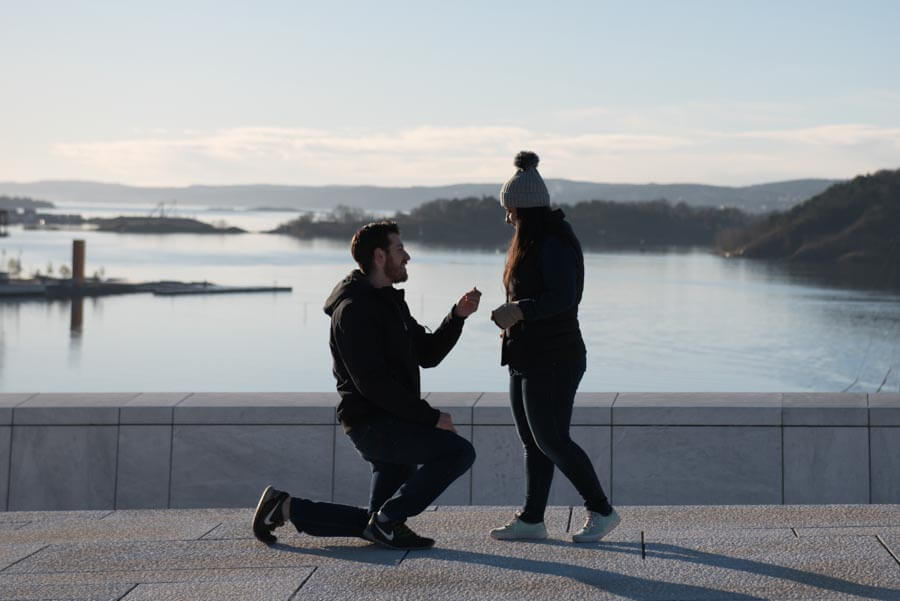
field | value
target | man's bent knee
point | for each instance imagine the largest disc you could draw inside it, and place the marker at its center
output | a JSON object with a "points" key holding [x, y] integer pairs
{"points": [[465, 453]]}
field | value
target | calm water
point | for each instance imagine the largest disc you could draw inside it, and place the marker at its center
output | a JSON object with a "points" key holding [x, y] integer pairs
{"points": [[681, 321]]}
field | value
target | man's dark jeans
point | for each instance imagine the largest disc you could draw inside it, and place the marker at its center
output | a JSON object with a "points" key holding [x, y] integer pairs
{"points": [[412, 465], [542, 400]]}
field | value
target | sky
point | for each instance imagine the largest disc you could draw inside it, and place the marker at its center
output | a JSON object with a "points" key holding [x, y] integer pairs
{"points": [[431, 93]]}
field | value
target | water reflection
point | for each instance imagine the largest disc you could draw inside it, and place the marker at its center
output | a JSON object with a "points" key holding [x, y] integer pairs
{"points": [[77, 316], [842, 276], [76, 321]]}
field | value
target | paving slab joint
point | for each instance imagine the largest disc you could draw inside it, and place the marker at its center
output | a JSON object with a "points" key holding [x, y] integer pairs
{"points": [[210, 531], [32, 554], [888, 549], [296, 593], [128, 592]]}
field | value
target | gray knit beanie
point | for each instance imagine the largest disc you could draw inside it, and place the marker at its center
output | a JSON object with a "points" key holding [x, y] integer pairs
{"points": [[526, 188]]}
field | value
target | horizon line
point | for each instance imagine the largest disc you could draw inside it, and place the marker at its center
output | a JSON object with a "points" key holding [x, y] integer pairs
{"points": [[414, 186]]}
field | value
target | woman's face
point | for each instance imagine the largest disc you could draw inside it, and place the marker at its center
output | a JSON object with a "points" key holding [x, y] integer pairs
{"points": [[511, 216]]}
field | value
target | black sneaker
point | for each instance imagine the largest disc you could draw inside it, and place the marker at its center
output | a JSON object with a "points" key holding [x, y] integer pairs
{"points": [[267, 516], [395, 535]]}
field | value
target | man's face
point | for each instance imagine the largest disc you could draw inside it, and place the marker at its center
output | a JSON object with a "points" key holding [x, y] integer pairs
{"points": [[396, 260]]}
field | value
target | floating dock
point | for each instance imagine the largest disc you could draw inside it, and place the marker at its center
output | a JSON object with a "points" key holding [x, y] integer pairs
{"points": [[206, 288], [68, 289], [24, 288]]}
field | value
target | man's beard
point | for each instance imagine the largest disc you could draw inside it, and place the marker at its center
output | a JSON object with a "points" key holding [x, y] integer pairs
{"points": [[395, 271]]}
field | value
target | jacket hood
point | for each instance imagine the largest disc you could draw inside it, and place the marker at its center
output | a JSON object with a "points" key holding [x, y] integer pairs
{"points": [[355, 284]]}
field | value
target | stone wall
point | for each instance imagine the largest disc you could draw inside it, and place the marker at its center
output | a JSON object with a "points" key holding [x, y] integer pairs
{"points": [[156, 450]]}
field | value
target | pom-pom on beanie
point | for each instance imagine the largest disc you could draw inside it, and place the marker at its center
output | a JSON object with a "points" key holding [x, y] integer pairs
{"points": [[526, 188]]}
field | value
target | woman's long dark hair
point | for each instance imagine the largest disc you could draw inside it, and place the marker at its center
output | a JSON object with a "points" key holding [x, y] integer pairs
{"points": [[531, 226]]}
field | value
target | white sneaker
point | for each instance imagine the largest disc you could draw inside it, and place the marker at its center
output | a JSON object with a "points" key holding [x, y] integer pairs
{"points": [[597, 526], [519, 530]]}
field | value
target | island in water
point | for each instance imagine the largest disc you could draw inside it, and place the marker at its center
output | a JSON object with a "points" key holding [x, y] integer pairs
{"points": [[479, 223], [22, 203], [159, 225]]}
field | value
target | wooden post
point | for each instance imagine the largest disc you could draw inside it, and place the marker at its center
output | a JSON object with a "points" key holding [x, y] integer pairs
{"points": [[78, 262]]}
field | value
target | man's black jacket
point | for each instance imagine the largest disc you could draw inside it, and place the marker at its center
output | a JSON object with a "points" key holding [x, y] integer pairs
{"points": [[378, 348]]}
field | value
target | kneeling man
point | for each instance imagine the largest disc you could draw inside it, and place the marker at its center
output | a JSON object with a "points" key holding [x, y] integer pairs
{"points": [[377, 348]]}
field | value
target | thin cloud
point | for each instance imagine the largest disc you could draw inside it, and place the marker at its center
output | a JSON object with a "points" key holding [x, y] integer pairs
{"points": [[247, 142], [695, 116], [433, 155], [829, 135]]}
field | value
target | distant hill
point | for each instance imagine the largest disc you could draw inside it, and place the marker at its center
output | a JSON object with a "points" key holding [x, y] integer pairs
{"points": [[858, 220], [11, 202], [479, 223], [753, 199]]}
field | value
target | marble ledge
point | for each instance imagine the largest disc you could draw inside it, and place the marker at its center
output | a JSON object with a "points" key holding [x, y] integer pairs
{"points": [[68, 409], [697, 409], [488, 408], [257, 408], [884, 409], [460, 405], [8, 401], [825, 409]]}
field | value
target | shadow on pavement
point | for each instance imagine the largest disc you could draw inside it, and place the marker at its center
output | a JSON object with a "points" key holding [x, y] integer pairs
{"points": [[366, 553], [613, 582]]}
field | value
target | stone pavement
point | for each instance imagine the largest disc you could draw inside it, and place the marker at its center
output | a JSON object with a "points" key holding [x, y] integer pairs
{"points": [[688, 552]]}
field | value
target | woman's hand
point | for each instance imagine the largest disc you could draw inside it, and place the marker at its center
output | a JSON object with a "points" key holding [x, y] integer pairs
{"points": [[507, 315]]}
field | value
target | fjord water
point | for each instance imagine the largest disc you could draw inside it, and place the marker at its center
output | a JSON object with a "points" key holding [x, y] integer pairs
{"points": [[653, 321]]}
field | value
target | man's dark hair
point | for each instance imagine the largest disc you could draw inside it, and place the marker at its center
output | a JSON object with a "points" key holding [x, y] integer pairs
{"points": [[368, 238]]}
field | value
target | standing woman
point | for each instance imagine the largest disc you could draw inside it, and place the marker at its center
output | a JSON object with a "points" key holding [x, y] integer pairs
{"points": [[542, 345]]}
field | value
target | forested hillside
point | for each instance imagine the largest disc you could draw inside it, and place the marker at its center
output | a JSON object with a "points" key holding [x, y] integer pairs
{"points": [[858, 220], [479, 223]]}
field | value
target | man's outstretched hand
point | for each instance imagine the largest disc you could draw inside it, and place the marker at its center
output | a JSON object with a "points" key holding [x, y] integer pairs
{"points": [[468, 303]]}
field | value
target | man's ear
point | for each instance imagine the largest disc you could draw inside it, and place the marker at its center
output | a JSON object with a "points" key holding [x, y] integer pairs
{"points": [[379, 257]]}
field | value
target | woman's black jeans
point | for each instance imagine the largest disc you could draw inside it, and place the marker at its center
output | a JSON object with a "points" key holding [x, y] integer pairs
{"points": [[542, 399]]}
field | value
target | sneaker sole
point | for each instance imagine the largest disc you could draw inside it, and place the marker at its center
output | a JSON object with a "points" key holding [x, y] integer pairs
{"points": [[595, 537]]}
